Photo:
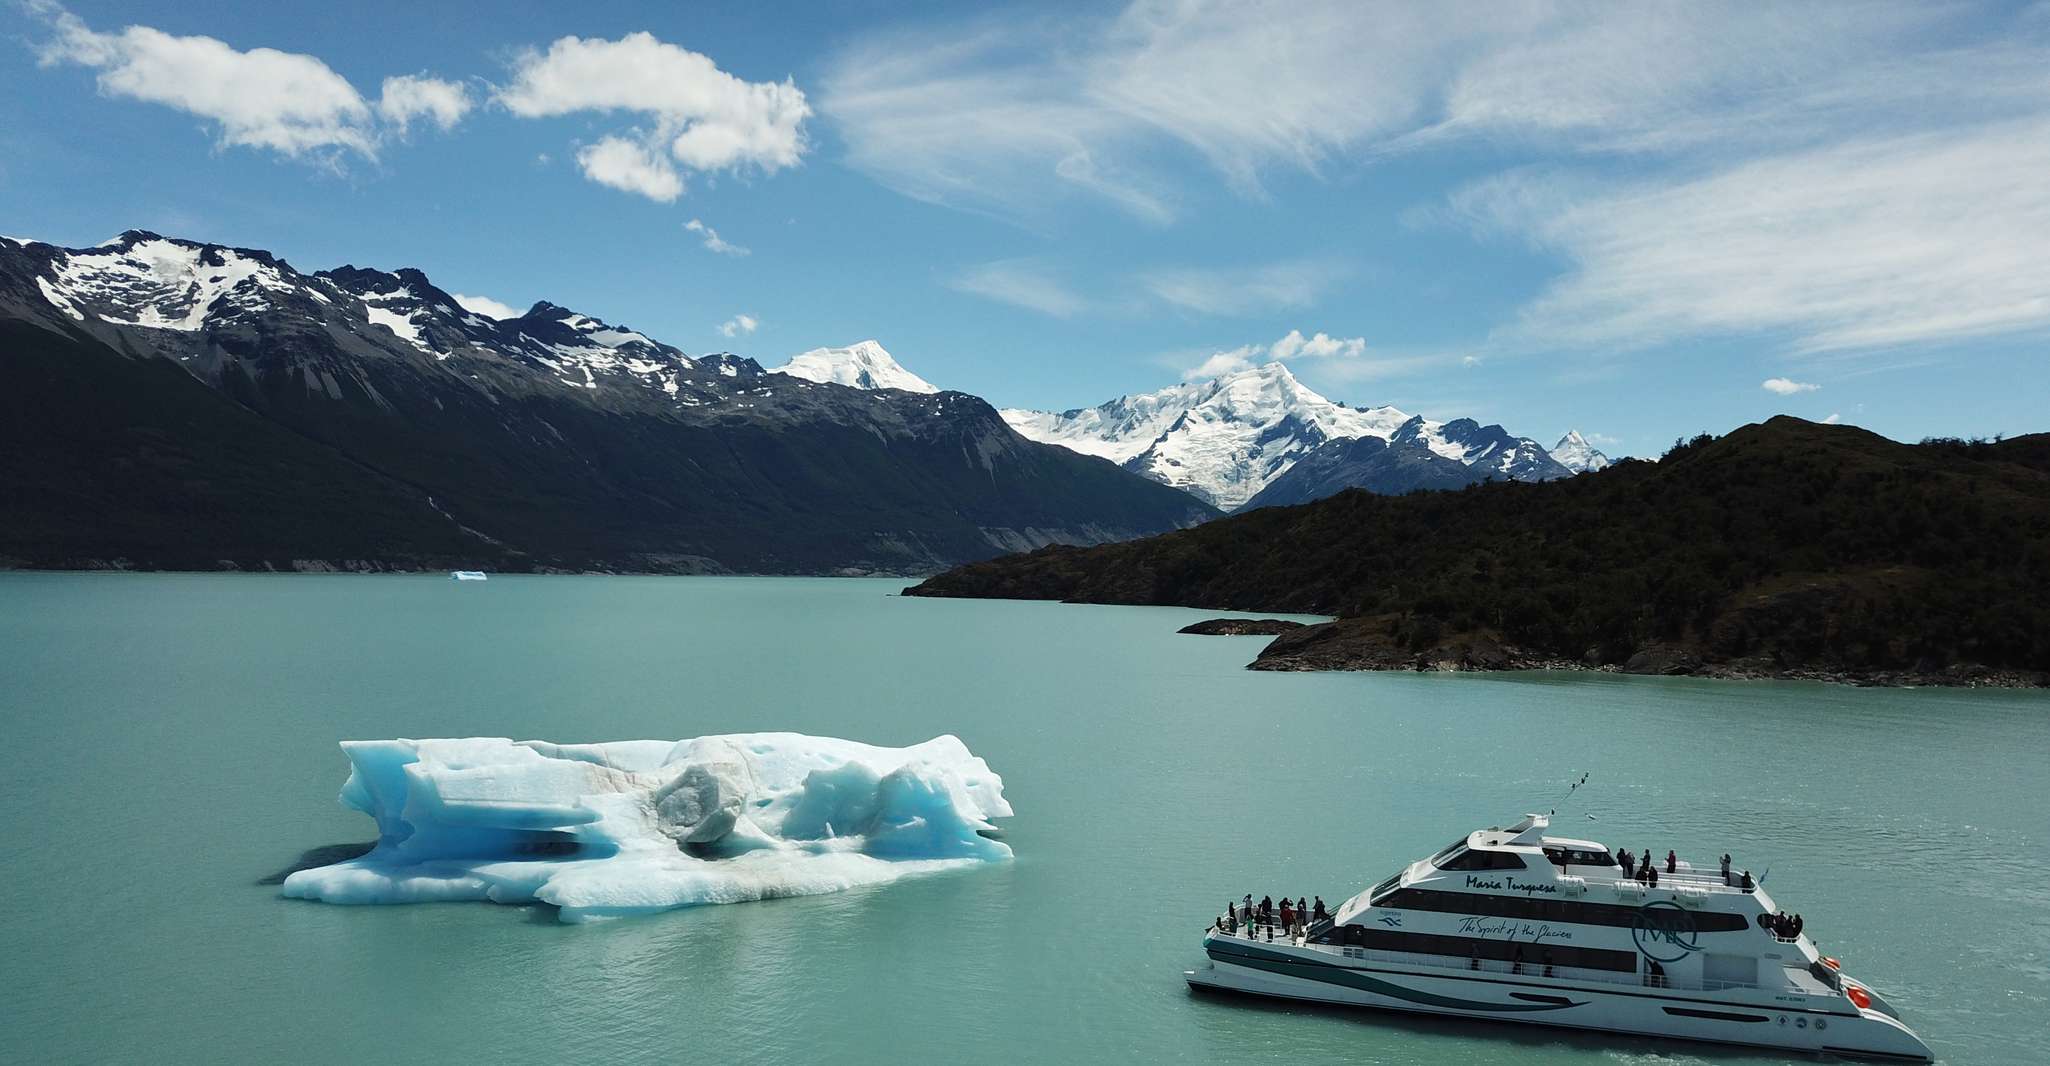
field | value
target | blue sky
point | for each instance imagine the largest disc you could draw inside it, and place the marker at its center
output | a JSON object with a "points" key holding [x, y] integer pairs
{"points": [[1628, 221]]}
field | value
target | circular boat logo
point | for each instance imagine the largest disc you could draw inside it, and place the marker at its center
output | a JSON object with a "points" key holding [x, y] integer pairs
{"points": [[1664, 932]]}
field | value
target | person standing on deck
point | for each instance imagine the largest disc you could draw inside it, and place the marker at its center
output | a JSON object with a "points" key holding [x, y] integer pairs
{"points": [[1726, 868], [1672, 862], [1287, 915]]}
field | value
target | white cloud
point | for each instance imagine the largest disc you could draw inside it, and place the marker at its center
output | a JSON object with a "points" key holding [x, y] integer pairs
{"points": [[698, 116], [1022, 284], [1234, 291], [411, 96], [712, 239], [286, 102], [630, 167], [1225, 362], [1292, 345], [486, 306], [1320, 346], [1787, 386], [1835, 417], [739, 325]]}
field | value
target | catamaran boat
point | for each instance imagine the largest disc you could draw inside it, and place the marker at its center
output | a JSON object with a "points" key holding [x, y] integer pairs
{"points": [[1514, 925]]}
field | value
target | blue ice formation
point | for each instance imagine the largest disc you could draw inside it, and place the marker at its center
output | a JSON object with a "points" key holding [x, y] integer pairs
{"points": [[610, 830]]}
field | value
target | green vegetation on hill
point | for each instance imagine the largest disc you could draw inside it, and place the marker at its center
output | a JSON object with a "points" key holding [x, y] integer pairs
{"points": [[1785, 548]]}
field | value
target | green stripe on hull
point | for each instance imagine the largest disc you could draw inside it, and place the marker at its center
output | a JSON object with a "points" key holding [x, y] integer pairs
{"points": [[1290, 966]]}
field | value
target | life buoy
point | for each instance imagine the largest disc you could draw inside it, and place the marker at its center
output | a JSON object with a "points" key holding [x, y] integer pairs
{"points": [[1858, 998], [1832, 963]]}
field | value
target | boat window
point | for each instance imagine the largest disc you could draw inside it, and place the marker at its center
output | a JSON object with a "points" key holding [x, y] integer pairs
{"points": [[1380, 891], [1484, 860], [1552, 910], [1466, 947], [1449, 849], [1579, 857]]}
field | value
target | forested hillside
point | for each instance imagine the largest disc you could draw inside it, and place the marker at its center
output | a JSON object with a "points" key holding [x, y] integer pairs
{"points": [[1783, 548]]}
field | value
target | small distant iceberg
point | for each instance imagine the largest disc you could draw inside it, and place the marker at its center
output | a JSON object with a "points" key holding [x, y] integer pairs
{"points": [[640, 826], [467, 575]]}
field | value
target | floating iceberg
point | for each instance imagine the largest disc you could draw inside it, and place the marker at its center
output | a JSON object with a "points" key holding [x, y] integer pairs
{"points": [[609, 830]]}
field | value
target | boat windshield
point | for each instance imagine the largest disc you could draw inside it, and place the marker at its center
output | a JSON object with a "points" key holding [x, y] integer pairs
{"points": [[1448, 849], [1381, 891], [1578, 857]]}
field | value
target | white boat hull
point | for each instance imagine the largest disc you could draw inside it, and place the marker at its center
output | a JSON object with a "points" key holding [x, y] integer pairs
{"points": [[1286, 971]]}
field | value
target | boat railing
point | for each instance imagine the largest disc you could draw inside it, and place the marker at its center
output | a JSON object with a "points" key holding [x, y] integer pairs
{"points": [[1695, 880]]}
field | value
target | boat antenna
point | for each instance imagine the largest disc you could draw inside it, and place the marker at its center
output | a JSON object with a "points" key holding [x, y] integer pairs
{"points": [[1568, 794]]}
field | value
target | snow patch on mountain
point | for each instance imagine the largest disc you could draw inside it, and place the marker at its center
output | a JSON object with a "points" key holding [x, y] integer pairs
{"points": [[141, 279], [1223, 440], [863, 366], [1574, 453]]}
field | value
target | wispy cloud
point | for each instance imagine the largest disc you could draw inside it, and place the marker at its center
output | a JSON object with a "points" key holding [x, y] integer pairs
{"points": [[1787, 386], [285, 102], [1020, 283], [697, 117], [1242, 290], [712, 239], [739, 326], [1839, 177], [1865, 244]]}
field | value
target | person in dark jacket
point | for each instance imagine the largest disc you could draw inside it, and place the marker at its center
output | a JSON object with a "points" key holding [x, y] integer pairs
{"points": [[1672, 862]]}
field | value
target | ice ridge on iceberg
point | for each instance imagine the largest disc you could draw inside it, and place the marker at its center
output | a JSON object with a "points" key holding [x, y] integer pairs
{"points": [[634, 827]]}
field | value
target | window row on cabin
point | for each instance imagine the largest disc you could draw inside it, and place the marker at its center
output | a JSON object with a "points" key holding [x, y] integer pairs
{"points": [[1467, 947], [1533, 908]]}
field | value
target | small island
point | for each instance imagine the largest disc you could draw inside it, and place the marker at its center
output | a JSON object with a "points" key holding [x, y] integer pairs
{"points": [[1240, 627]]}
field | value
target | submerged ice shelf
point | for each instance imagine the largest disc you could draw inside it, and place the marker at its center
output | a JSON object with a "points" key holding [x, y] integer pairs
{"points": [[608, 830]]}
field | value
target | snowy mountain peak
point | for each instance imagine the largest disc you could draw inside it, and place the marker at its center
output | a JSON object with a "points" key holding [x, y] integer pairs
{"points": [[1222, 440], [1226, 439], [865, 365], [143, 279], [1574, 453]]}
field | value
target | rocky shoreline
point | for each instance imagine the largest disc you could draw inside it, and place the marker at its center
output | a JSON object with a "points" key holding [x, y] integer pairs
{"points": [[1370, 644], [1241, 627]]}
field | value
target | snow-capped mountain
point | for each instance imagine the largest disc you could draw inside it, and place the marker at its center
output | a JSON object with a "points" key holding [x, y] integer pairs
{"points": [[194, 406], [1487, 448], [863, 366], [1227, 439], [1574, 453], [1222, 440]]}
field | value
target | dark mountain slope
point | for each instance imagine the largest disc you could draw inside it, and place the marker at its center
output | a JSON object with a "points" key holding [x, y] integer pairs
{"points": [[560, 440], [158, 470], [1785, 548], [1364, 463]]}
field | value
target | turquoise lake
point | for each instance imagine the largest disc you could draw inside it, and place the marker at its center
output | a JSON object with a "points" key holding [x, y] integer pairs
{"points": [[171, 746]]}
